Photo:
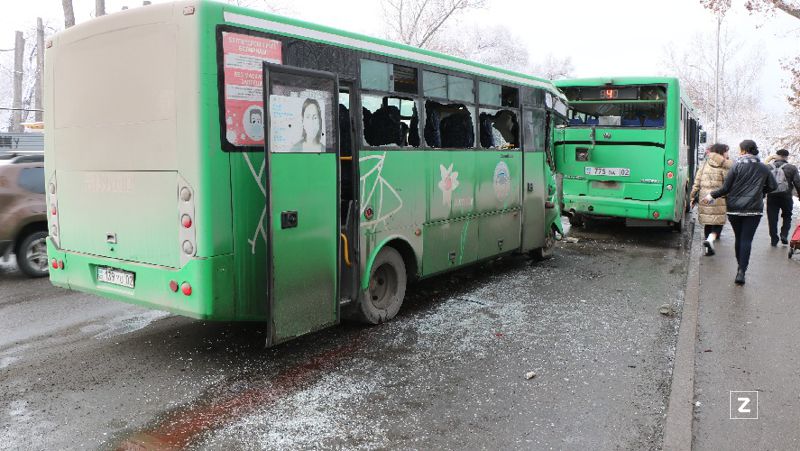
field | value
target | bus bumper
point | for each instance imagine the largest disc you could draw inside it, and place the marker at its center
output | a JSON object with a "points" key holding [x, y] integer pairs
{"points": [[211, 281], [662, 209]]}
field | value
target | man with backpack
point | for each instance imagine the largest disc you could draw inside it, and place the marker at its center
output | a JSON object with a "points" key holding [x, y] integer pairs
{"points": [[780, 200]]}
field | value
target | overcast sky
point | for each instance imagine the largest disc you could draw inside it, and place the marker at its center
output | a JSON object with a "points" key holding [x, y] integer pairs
{"points": [[604, 38]]}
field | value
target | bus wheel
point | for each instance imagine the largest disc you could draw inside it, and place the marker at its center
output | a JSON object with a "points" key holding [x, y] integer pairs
{"points": [[545, 252], [387, 288], [678, 226]]}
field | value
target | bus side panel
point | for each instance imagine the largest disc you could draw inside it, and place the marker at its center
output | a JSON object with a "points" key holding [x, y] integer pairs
{"points": [[450, 231], [499, 174], [394, 188], [249, 234]]}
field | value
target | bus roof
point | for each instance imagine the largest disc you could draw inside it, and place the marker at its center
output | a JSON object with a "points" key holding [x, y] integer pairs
{"points": [[285, 25]]}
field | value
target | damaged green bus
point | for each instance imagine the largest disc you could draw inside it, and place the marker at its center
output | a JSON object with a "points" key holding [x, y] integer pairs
{"points": [[628, 150], [228, 164]]}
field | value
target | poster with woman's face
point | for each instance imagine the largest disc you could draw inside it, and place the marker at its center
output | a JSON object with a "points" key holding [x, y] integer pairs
{"points": [[298, 122]]}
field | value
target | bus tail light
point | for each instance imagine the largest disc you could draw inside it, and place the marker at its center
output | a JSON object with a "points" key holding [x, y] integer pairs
{"points": [[670, 162], [52, 202], [173, 286], [670, 175], [186, 289], [656, 215], [187, 228], [54, 264], [61, 264]]}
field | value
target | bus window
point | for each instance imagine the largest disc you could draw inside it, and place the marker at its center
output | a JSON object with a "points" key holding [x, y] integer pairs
{"points": [[534, 123], [390, 120], [449, 125], [499, 129]]}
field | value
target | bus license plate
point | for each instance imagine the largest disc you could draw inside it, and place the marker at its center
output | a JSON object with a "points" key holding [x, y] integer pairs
{"points": [[115, 276], [612, 172]]}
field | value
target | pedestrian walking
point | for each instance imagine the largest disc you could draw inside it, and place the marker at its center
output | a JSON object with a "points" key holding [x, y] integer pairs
{"points": [[779, 202], [709, 178], [744, 188]]}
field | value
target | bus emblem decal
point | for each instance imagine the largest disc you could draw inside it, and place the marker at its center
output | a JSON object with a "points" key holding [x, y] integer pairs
{"points": [[607, 135], [448, 183], [502, 181]]}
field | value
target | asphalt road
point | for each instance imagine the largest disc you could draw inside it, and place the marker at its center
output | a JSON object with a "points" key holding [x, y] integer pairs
{"points": [[79, 372]]}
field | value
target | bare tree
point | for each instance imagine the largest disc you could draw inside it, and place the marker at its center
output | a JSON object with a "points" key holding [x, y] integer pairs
{"points": [[789, 135], [420, 22], [39, 68], [69, 13], [553, 67], [740, 111], [16, 115], [495, 46]]}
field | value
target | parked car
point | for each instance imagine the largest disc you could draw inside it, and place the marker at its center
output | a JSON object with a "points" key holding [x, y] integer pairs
{"points": [[23, 212]]}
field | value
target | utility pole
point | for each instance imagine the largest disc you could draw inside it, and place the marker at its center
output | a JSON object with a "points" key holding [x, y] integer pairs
{"points": [[99, 8], [37, 105], [16, 115], [716, 85]]}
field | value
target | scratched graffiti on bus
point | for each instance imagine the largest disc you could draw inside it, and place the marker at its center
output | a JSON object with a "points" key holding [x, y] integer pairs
{"points": [[260, 229], [378, 187]]}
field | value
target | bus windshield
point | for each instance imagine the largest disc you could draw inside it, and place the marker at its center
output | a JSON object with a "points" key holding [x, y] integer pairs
{"points": [[617, 106]]}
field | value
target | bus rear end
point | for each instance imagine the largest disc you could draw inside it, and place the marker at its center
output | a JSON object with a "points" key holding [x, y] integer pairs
{"points": [[619, 153], [123, 176]]}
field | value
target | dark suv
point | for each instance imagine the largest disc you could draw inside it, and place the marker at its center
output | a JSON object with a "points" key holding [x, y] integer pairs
{"points": [[23, 212]]}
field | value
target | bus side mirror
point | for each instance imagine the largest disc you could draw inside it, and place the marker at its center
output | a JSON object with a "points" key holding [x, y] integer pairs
{"points": [[702, 137]]}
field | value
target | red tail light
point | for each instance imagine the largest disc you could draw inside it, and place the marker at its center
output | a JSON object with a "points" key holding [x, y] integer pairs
{"points": [[656, 215], [54, 263], [186, 288], [186, 221], [61, 264], [173, 286], [670, 175], [53, 210]]}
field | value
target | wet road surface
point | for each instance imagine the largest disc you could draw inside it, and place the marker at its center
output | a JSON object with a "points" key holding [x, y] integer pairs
{"points": [[80, 372]]}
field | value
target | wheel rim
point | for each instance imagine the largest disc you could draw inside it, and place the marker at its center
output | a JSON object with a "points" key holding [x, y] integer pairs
{"points": [[382, 286], [36, 255]]}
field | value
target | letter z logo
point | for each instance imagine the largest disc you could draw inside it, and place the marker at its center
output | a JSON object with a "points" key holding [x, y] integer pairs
{"points": [[744, 405]]}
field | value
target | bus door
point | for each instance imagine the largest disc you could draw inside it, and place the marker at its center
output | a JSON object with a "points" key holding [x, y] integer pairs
{"points": [[534, 185], [303, 230], [349, 210]]}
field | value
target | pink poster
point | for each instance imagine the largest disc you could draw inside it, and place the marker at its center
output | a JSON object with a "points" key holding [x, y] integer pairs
{"points": [[244, 103]]}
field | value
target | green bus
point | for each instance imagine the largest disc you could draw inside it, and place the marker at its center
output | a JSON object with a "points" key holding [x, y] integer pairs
{"points": [[628, 150], [177, 183]]}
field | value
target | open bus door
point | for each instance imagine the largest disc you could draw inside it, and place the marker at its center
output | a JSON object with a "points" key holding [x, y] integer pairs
{"points": [[302, 161]]}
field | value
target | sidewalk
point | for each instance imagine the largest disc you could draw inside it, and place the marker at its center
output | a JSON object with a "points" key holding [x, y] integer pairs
{"points": [[748, 340]]}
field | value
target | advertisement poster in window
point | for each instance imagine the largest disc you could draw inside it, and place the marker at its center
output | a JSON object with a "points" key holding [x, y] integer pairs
{"points": [[298, 121], [243, 56]]}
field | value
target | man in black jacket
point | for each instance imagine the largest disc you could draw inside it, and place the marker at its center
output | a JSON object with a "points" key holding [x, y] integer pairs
{"points": [[779, 202], [745, 186]]}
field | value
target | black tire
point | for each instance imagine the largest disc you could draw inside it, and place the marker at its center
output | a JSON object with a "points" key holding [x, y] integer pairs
{"points": [[546, 252], [678, 226], [387, 288], [32, 255], [791, 252], [576, 220]]}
